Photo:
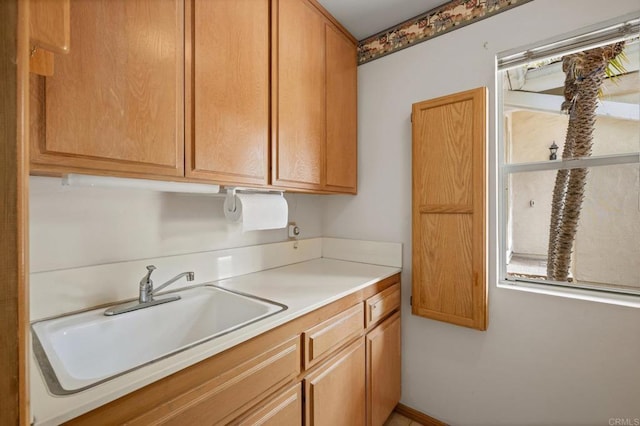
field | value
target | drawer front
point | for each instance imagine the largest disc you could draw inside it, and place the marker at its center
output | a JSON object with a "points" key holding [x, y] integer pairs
{"points": [[328, 336], [283, 410], [228, 395], [381, 305]]}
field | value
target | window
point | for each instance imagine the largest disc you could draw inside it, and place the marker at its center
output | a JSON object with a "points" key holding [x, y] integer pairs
{"points": [[569, 204]]}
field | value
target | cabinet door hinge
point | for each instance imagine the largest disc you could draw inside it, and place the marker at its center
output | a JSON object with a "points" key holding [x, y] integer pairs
{"points": [[411, 115], [410, 300]]}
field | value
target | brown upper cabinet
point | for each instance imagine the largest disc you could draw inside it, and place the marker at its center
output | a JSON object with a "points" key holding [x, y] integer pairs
{"points": [[313, 99], [341, 112], [228, 91], [115, 102], [236, 92]]}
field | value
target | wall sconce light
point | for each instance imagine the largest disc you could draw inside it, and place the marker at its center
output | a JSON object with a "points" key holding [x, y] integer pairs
{"points": [[553, 149]]}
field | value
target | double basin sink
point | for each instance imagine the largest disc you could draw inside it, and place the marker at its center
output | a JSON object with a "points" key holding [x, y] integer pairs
{"points": [[79, 351]]}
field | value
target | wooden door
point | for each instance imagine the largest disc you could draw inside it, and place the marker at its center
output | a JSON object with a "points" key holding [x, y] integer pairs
{"points": [[228, 91], [335, 394], [298, 87], [448, 213], [383, 370], [115, 102], [341, 112]]}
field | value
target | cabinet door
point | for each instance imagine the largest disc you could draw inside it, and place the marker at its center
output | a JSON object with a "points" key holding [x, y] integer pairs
{"points": [[448, 212], [383, 370], [228, 96], [335, 394], [115, 102], [341, 143], [298, 94]]}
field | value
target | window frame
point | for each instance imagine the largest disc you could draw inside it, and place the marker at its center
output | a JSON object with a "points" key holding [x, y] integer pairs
{"points": [[504, 169]]}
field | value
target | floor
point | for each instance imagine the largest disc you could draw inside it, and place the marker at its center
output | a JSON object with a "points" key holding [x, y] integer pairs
{"points": [[396, 419]]}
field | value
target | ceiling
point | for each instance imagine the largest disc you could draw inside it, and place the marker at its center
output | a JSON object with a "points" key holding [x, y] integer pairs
{"points": [[364, 18]]}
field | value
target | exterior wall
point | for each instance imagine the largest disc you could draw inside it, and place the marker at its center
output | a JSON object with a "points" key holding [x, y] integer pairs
{"points": [[544, 360], [606, 247]]}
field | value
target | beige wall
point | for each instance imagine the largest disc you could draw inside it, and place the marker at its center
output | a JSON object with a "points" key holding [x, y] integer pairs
{"points": [[73, 227], [607, 246], [544, 360]]}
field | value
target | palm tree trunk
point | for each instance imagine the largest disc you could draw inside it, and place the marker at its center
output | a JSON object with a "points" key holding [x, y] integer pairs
{"points": [[585, 72]]}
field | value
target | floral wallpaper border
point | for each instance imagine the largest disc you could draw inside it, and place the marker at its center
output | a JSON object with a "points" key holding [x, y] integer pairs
{"points": [[438, 21]]}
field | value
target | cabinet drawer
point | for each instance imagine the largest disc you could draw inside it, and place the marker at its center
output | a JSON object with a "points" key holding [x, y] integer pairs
{"points": [[381, 305], [283, 410], [224, 397], [328, 336]]}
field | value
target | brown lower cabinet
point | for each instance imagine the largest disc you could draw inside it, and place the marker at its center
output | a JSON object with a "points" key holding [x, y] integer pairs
{"points": [[383, 368], [335, 394], [333, 366]]}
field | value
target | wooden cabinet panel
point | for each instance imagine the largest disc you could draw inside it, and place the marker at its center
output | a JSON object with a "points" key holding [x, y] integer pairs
{"points": [[328, 336], [228, 395], [49, 25], [283, 410], [383, 370], [335, 394], [446, 267], [448, 213], [381, 305], [298, 94], [228, 95], [115, 102], [341, 74]]}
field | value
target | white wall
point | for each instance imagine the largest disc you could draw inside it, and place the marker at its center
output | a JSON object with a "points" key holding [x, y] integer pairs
{"points": [[543, 360], [80, 226]]}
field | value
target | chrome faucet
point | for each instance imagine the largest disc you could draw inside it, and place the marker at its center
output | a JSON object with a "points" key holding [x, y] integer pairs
{"points": [[146, 299], [146, 284]]}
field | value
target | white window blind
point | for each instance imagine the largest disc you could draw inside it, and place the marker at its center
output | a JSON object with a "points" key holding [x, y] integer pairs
{"points": [[611, 34]]}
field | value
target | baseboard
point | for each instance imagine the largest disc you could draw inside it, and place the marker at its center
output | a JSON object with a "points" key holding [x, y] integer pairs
{"points": [[417, 416]]}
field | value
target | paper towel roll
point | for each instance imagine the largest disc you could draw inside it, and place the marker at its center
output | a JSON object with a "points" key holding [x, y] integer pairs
{"points": [[258, 211]]}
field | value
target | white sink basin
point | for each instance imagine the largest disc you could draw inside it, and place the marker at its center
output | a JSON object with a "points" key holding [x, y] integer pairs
{"points": [[81, 350]]}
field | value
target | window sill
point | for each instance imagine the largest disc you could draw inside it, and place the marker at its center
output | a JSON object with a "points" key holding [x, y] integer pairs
{"points": [[571, 293]]}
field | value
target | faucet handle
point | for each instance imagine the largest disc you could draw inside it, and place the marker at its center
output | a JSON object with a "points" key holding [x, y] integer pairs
{"points": [[147, 278]]}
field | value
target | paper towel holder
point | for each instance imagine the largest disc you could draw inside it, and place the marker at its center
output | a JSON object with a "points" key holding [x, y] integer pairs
{"points": [[231, 195]]}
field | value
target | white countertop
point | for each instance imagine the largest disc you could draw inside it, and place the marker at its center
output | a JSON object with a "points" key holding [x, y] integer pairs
{"points": [[303, 287]]}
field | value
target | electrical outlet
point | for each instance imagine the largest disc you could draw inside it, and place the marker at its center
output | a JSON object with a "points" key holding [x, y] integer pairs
{"points": [[294, 231]]}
